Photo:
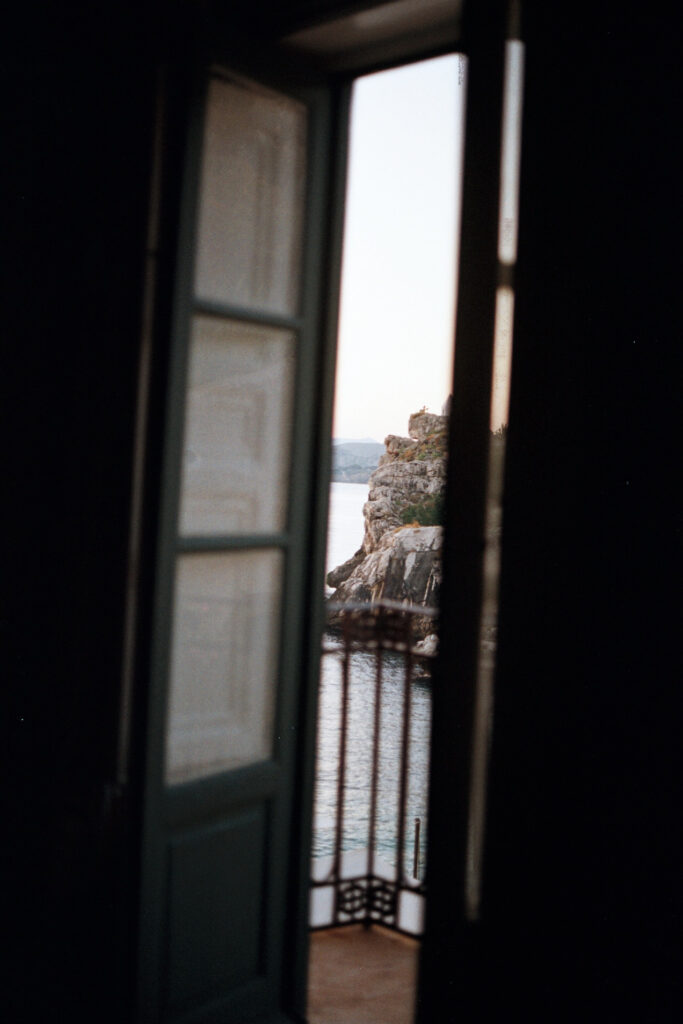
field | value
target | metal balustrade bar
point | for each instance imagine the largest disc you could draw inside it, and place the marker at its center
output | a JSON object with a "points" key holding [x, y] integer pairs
{"points": [[354, 884]]}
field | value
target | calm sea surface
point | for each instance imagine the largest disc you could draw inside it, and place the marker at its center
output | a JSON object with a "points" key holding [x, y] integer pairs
{"points": [[345, 529], [344, 538]]}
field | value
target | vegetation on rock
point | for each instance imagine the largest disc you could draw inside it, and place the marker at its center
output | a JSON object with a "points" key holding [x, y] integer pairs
{"points": [[428, 512], [433, 446]]}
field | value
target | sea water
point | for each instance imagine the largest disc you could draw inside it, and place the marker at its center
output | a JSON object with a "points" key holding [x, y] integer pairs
{"points": [[345, 523], [345, 535]]}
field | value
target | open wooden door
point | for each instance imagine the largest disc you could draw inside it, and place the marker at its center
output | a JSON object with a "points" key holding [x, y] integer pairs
{"points": [[236, 539]]}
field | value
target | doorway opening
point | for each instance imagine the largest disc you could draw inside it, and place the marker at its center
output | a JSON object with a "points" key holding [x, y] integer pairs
{"points": [[224, 754], [392, 398]]}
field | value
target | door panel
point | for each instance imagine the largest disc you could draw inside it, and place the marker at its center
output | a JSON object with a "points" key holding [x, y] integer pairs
{"points": [[232, 594], [215, 876]]}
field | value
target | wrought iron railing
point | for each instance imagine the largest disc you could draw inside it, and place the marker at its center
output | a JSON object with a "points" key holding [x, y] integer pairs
{"points": [[372, 770]]}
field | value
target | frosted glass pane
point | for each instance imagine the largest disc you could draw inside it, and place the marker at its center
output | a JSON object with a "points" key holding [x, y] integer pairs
{"points": [[223, 662], [251, 198], [237, 428]]}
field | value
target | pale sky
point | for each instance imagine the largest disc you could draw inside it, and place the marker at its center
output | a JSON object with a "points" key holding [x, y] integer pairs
{"points": [[399, 259]]}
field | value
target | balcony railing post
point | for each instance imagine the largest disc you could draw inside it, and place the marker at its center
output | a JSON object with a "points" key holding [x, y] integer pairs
{"points": [[416, 850], [372, 823], [341, 778], [405, 743]]}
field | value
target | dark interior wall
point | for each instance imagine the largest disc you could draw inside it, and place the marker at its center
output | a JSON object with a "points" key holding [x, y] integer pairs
{"points": [[77, 94], [583, 909]]}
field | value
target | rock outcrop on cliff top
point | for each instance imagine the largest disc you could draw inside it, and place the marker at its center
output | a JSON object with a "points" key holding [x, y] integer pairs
{"points": [[400, 557]]}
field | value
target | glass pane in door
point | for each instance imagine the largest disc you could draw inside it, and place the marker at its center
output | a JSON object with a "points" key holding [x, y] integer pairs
{"points": [[238, 420], [252, 198], [223, 661]]}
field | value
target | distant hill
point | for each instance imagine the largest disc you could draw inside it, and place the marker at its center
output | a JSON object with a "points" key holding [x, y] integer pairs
{"points": [[354, 461]]}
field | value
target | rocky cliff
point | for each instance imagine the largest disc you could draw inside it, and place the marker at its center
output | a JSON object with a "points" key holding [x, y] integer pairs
{"points": [[400, 557]]}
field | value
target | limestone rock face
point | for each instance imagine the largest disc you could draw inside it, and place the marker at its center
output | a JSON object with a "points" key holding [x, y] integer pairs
{"points": [[395, 446], [343, 571], [405, 566], [393, 487], [412, 469], [422, 424], [400, 557]]}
